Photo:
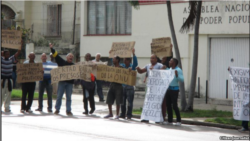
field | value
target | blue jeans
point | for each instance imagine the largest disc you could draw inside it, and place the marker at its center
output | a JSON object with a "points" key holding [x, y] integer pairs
{"points": [[14, 79], [99, 89], [45, 85], [128, 94], [62, 87]]}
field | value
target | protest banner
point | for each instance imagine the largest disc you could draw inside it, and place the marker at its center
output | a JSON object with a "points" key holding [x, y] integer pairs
{"points": [[29, 72], [115, 74], [240, 89], [161, 47], [12, 39], [157, 85], [122, 49], [71, 72], [93, 65]]}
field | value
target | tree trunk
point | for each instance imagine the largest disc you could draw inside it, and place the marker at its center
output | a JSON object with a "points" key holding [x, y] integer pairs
{"points": [[177, 54], [195, 59], [74, 25]]}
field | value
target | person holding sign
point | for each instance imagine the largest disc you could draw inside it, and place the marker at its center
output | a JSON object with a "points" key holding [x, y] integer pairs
{"points": [[63, 85], [173, 91], [99, 82], [154, 65], [28, 88], [46, 84], [88, 89], [128, 91], [6, 77], [115, 93]]}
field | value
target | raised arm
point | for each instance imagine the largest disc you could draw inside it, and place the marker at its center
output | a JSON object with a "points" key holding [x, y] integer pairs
{"points": [[58, 59], [139, 70], [17, 53], [135, 61]]}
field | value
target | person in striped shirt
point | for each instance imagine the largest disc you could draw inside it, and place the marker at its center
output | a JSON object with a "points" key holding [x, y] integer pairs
{"points": [[46, 84], [6, 77]]}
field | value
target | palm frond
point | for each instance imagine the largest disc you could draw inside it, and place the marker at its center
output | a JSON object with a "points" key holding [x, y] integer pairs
{"points": [[135, 4], [190, 21]]}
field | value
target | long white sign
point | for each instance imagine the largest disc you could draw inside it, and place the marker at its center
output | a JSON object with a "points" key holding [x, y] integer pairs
{"points": [[157, 85], [240, 89]]}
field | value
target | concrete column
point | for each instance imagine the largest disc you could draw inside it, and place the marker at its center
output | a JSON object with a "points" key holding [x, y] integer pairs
{"points": [[29, 48]]}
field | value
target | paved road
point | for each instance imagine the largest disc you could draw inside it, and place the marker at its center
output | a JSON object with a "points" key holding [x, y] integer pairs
{"points": [[48, 127]]}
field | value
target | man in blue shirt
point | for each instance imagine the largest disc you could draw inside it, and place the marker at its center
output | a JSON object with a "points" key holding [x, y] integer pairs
{"points": [[173, 91], [46, 83], [128, 91]]}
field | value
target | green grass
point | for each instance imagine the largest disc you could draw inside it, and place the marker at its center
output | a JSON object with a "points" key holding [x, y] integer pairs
{"points": [[17, 94], [228, 121], [197, 113]]}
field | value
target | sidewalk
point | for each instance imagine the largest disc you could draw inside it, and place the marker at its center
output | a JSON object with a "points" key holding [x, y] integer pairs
{"points": [[102, 109]]}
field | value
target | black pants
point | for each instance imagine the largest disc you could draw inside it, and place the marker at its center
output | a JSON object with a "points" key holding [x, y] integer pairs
{"points": [[90, 99], [27, 88], [245, 124], [171, 99]]}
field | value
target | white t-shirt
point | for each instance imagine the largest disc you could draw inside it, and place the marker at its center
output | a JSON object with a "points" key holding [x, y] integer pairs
{"points": [[157, 66]]}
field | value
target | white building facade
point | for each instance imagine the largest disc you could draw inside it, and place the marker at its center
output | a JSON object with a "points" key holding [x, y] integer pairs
{"points": [[223, 39]]}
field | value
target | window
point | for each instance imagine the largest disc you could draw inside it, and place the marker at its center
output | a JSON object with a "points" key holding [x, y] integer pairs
{"points": [[109, 17], [54, 16]]}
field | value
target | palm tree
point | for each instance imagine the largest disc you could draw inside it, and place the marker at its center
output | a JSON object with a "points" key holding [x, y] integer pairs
{"points": [[177, 54], [194, 16]]}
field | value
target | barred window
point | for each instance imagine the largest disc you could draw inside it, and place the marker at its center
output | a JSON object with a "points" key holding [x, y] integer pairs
{"points": [[52, 17], [109, 17]]}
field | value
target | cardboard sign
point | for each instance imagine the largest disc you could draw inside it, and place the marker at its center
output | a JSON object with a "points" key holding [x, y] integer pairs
{"points": [[157, 85], [122, 49], [115, 74], [240, 89], [71, 72], [93, 65], [161, 47], [12, 39], [29, 72]]}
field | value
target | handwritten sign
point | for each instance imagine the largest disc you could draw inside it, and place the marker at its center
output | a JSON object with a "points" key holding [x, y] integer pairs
{"points": [[157, 85], [122, 49], [115, 74], [161, 47], [71, 72], [240, 88], [12, 39], [93, 65], [29, 72]]}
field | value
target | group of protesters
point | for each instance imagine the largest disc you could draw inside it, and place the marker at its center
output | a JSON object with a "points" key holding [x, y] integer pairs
{"points": [[120, 93]]}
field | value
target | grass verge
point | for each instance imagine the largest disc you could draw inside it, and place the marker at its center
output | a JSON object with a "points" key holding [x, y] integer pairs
{"points": [[17, 94], [228, 121]]}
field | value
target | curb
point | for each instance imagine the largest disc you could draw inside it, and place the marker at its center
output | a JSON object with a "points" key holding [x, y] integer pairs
{"points": [[202, 123]]}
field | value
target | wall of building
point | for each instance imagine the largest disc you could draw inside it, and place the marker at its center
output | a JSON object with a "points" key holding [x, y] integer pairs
{"points": [[221, 19]]}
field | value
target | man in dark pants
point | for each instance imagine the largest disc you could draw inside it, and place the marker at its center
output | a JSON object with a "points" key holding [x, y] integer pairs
{"points": [[46, 84], [173, 92], [128, 91], [99, 82], [88, 89], [28, 88]]}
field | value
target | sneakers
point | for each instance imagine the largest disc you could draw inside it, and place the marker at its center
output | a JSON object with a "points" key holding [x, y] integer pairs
{"points": [[56, 112], [121, 116], [22, 111], [38, 109], [91, 111], [7, 110], [29, 111], [243, 130], [108, 116], [101, 100], [69, 114], [85, 113], [129, 118], [146, 121], [116, 117], [167, 123], [178, 124], [49, 110]]}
